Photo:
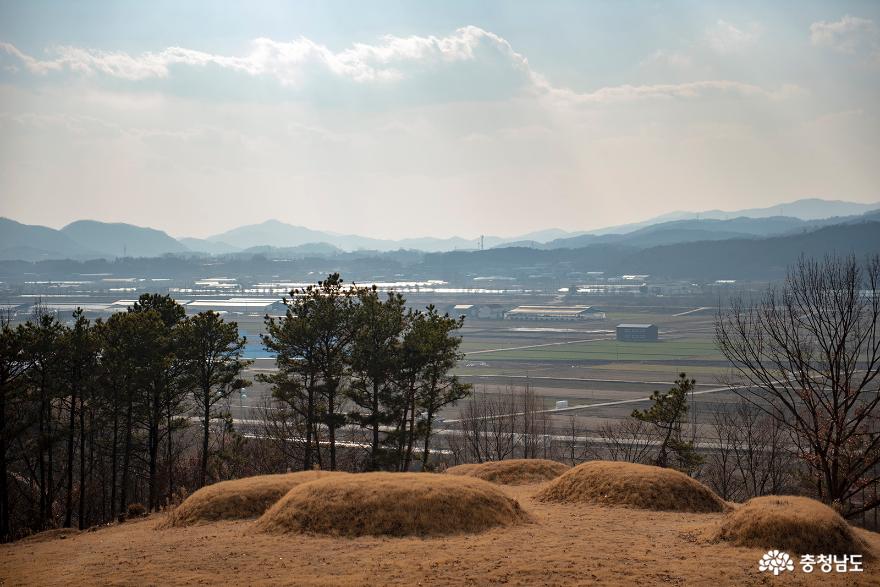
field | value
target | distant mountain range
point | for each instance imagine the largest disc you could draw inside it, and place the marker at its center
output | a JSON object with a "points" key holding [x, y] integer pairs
{"points": [[274, 233], [89, 239], [736, 258], [752, 258], [804, 209], [83, 239], [122, 240], [692, 230]]}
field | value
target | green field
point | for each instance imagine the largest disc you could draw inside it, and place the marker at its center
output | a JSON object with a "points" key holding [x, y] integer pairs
{"points": [[608, 350]]}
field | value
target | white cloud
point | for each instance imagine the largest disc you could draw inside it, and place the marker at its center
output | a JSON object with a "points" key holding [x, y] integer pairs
{"points": [[631, 93], [726, 38], [850, 34], [392, 59], [284, 61]]}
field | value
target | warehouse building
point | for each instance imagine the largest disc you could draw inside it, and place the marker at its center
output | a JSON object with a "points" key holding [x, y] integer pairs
{"points": [[562, 313], [479, 311], [252, 306], [637, 332], [459, 310]]}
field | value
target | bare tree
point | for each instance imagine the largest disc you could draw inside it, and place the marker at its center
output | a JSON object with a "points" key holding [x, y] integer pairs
{"points": [[509, 423], [752, 455], [288, 431], [487, 428], [534, 424], [573, 448], [721, 471], [808, 355], [763, 454], [629, 440]]}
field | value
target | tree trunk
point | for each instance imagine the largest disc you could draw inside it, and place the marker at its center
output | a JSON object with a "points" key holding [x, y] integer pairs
{"points": [[126, 461], [318, 458], [402, 436], [50, 462], [96, 461], [411, 436], [170, 455], [82, 466], [4, 483], [206, 405], [331, 423], [114, 454], [4, 497], [42, 461], [71, 435], [310, 422], [428, 425], [155, 414], [374, 448]]}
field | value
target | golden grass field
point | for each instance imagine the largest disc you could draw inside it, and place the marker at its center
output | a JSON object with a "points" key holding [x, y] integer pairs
{"points": [[555, 543], [240, 498], [628, 484], [392, 504], [794, 524]]}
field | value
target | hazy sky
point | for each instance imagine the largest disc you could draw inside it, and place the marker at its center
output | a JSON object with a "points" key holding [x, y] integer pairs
{"points": [[395, 119]]}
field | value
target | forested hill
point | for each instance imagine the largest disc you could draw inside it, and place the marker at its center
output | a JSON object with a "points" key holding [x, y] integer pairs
{"points": [[752, 258], [740, 258]]}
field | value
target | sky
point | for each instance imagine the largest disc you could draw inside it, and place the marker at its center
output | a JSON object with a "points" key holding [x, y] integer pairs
{"points": [[400, 119]]}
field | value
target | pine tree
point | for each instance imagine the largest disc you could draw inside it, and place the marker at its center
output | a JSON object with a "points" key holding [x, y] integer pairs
{"points": [[13, 365], [379, 326], [213, 351], [314, 340], [434, 336], [667, 413], [163, 393]]}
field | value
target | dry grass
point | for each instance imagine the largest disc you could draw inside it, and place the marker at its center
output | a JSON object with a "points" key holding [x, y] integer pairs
{"points": [[54, 534], [392, 504], [567, 544], [238, 499], [793, 524], [513, 472], [632, 485]]}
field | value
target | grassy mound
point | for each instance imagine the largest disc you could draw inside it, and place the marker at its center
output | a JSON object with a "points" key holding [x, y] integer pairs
{"points": [[793, 524], [513, 472], [238, 499], [628, 484], [392, 504]]}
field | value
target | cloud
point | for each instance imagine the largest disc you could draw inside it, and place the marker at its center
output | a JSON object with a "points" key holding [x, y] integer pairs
{"points": [[850, 34], [725, 38], [687, 90], [284, 61], [469, 63]]}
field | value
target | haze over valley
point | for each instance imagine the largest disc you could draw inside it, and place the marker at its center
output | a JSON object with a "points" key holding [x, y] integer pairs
{"points": [[440, 293]]}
